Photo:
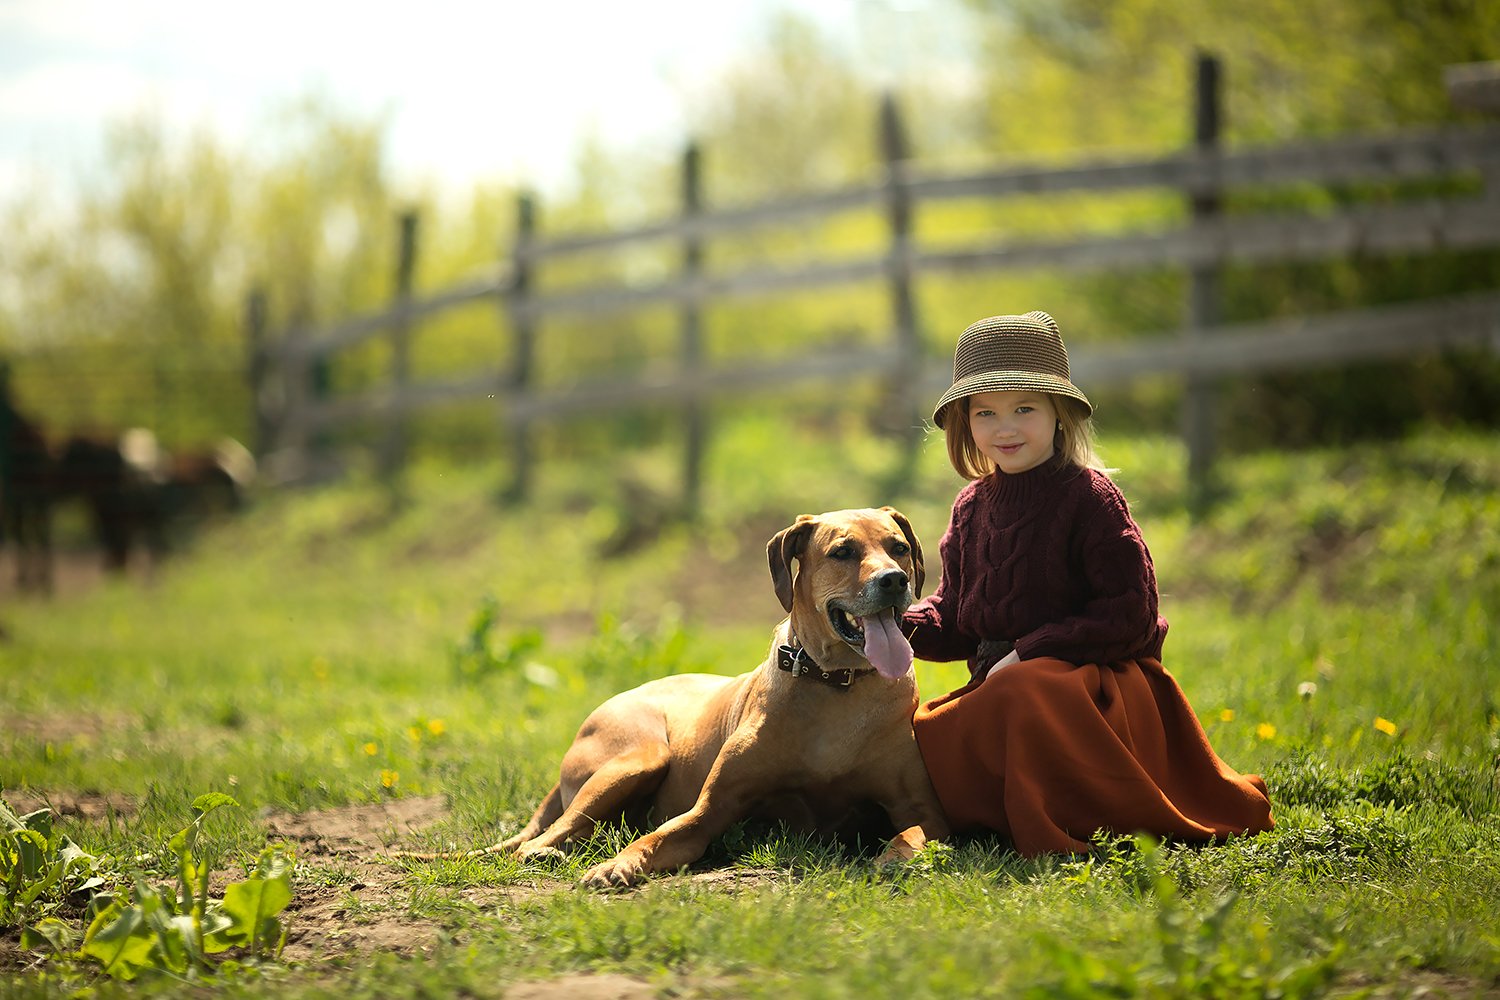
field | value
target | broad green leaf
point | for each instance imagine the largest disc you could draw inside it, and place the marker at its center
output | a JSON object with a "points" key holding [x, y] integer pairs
{"points": [[40, 821], [31, 849], [178, 845], [209, 801], [179, 937], [252, 906], [51, 933], [216, 924], [87, 885], [72, 853], [54, 875], [120, 939]]}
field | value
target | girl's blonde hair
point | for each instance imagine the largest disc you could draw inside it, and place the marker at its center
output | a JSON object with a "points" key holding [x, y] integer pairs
{"points": [[1074, 441]]}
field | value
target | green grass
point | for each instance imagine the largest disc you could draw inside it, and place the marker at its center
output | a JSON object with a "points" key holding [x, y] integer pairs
{"points": [[1332, 623]]}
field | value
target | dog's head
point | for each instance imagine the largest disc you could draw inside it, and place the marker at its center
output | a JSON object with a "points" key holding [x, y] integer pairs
{"points": [[857, 571]]}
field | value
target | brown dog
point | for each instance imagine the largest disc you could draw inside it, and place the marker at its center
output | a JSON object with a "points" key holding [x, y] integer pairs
{"points": [[819, 729]]}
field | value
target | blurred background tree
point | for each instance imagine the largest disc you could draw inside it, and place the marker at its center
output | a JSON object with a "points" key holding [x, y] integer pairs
{"points": [[129, 308], [1068, 76]]}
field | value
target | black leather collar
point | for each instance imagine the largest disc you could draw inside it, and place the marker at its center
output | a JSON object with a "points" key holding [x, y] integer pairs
{"points": [[795, 661]]}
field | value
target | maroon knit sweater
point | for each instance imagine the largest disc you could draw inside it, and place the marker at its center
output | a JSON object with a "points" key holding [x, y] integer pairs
{"points": [[1048, 559]]}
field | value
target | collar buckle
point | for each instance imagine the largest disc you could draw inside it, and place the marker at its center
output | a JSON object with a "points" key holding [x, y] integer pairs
{"points": [[795, 661]]}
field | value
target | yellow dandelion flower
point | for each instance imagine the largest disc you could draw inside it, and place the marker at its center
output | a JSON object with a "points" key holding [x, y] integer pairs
{"points": [[414, 733], [1265, 731], [1385, 725], [389, 779], [436, 727], [371, 749], [1227, 715]]}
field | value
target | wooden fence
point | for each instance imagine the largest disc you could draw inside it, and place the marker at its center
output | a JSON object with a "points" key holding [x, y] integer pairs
{"points": [[290, 414]]}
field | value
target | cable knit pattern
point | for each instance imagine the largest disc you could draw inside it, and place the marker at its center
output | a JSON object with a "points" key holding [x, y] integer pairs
{"points": [[1048, 559]]}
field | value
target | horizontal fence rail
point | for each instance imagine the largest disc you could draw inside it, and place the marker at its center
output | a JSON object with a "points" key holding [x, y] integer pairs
{"points": [[1202, 239]]}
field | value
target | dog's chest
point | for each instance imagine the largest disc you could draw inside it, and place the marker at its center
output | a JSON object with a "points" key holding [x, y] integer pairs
{"points": [[819, 746]]}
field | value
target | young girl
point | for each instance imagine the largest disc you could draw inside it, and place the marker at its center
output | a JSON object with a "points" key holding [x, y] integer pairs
{"points": [[1069, 722]]}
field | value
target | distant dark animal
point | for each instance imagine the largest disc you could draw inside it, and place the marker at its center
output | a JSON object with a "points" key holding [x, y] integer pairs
{"points": [[207, 482], [26, 491], [121, 504], [137, 494]]}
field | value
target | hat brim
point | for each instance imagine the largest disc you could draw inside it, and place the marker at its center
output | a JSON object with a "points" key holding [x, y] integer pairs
{"points": [[1002, 381]]}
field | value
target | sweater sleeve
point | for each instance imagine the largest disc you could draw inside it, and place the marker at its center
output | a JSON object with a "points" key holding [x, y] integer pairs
{"points": [[1119, 618], [931, 624]]}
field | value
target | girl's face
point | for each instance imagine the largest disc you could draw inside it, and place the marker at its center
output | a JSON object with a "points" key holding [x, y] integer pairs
{"points": [[1014, 429]]}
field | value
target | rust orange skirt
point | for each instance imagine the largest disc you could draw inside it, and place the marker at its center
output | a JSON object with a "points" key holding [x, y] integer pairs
{"points": [[1047, 752]]}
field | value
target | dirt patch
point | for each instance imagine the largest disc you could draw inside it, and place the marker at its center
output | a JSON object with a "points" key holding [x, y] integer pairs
{"points": [[351, 898], [361, 905], [362, 917], [357, 829], [83, 805], [84, 728], [583, 987]]}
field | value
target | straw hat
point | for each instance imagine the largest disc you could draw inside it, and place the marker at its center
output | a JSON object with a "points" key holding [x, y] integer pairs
{"points": [[1010, 353]]}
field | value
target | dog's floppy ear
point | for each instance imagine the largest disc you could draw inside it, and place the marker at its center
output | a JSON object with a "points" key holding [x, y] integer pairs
{"points": [[920, 571], [784, 546]]}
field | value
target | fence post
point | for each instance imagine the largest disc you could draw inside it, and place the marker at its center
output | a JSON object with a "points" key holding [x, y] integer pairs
{"points": [[1204, 296], [299, 375], [895, 152], [690, 320], [261, 422], [393, 450], [523, 327]]}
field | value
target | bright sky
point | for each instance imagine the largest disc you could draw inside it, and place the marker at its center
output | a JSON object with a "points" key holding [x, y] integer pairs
{"points": [[501, 90]]}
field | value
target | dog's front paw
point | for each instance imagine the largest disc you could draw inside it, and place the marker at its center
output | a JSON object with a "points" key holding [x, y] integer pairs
{"points": [[616, 873], [538, 852]]}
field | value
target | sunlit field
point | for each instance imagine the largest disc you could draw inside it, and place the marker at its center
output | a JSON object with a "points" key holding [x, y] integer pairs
{"points": [[361, 678]]}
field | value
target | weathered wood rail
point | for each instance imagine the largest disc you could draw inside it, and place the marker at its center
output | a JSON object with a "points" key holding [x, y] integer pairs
{"points": [[1204, 241]]}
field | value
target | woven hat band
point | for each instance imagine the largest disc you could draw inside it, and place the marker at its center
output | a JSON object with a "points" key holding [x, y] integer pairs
{"points": [[1004, 353]]}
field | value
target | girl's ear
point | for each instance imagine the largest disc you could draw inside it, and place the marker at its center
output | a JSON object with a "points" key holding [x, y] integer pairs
{"points": [[784, 546]]}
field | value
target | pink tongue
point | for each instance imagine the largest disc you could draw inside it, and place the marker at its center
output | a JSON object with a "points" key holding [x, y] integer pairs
{"points": [[885, 647]]}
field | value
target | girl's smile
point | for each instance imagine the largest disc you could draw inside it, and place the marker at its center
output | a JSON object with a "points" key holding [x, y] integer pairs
{"points": [[1014, 429]]}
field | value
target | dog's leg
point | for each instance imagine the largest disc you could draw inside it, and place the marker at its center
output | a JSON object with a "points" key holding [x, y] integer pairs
{"points": [[734, 784], [546, 814], [619, 781], [914, 811]]}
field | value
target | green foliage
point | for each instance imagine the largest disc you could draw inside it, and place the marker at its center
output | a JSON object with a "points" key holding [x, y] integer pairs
{"points": [[1400, 781], [1195, 951], [1282, 80], [130, 309], [337, 627], [179, 932], [475, 657], [39, 869]]}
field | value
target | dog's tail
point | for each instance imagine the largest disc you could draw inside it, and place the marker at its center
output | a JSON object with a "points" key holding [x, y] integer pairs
{"points": [[446, 855]]}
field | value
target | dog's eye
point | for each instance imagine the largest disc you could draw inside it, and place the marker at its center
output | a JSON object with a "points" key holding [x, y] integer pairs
{"points": [[842, 551], [900, 549]]}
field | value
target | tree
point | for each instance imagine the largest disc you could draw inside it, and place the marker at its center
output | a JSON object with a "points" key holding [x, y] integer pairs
{"points": [[1070, 75]]}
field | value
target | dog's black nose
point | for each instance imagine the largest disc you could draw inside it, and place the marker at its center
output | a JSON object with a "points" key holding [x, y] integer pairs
{"points": [[891, 579]]}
